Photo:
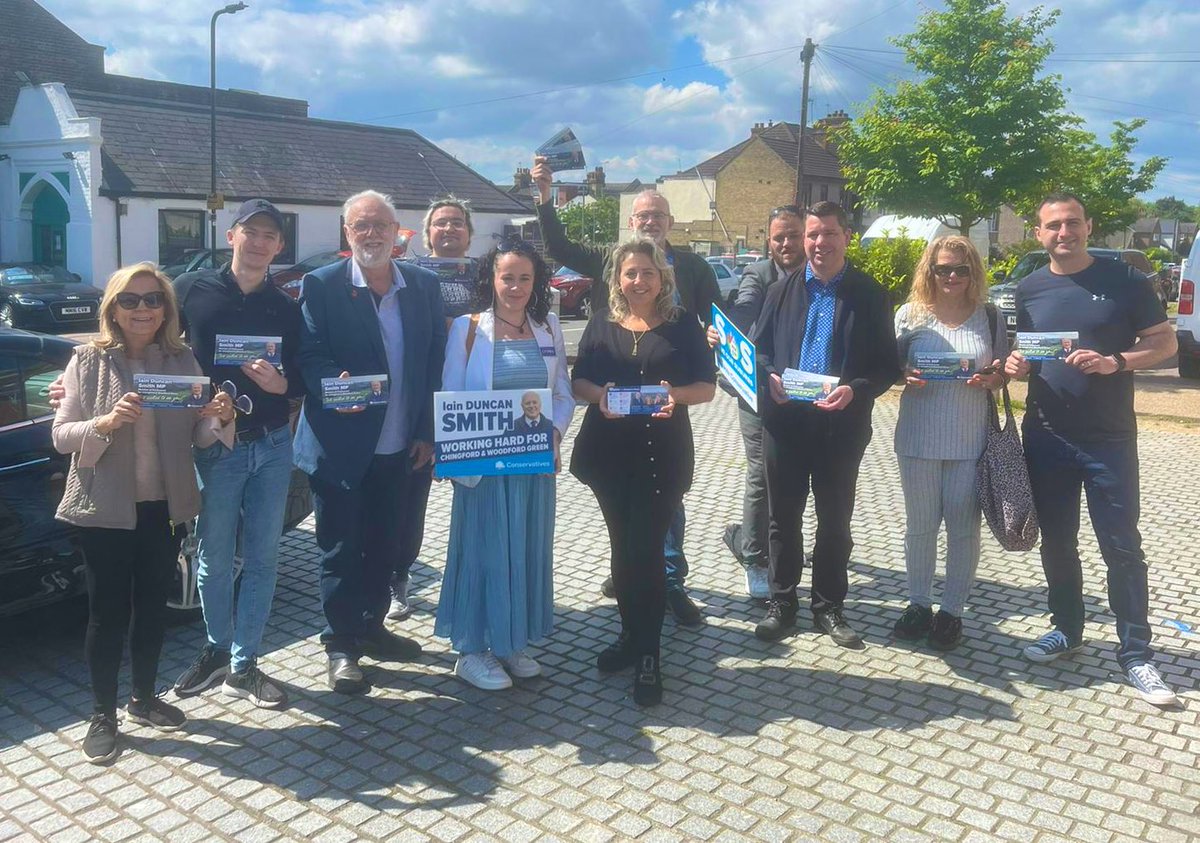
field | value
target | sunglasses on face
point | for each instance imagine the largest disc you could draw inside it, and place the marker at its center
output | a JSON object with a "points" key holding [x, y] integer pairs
{"points": [[240, 402], [943, 270], [132, 301]]}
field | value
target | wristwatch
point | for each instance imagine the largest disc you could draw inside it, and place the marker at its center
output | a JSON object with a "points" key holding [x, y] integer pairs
{"points": [[1119, 358]]}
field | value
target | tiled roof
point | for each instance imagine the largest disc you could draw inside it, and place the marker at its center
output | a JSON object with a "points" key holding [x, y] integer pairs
{"points": [[160, 147], [819, 161]]}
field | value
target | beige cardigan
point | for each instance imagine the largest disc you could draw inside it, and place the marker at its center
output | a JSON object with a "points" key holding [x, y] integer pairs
{"points": [[101, 487]]}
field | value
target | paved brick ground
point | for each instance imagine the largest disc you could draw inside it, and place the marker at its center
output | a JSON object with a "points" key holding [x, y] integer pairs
{"points": [[796, 740]]}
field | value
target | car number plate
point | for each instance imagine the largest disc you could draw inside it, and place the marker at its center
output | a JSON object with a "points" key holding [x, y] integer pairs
{"points": [[1012, 320], [73, 311]]}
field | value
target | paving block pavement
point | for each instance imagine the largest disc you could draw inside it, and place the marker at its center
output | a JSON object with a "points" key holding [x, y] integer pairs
{"points": [[793, 740]]}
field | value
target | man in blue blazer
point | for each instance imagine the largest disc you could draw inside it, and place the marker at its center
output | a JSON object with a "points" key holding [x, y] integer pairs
{"points": [[369, 466]]}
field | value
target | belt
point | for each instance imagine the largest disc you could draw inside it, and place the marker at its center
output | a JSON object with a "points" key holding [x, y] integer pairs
{"points": [[253, 434]]}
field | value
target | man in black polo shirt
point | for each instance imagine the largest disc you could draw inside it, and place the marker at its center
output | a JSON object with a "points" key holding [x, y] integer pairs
{"points": [[1080, 431], [249, 484]]}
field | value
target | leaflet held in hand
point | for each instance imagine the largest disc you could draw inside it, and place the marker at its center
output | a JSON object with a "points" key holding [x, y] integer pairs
{"points": [[171, 392], [807, 386], [357, 391], [637, 400], [942, 365], [562, 152], [1047, 345], [233, 350]]}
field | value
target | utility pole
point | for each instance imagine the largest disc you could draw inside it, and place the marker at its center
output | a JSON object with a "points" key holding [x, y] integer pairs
{"points": [[806, 56]]}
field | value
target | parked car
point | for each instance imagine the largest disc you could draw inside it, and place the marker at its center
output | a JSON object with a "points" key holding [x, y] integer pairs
{"points": [[727, 261], [1187, 322], [46, 298], [194, 259], [41, 560], [1003, 294], [575, 292], [727, 282]]}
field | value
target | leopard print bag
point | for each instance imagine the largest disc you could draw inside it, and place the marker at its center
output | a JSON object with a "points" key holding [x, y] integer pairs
{"points": [[1002, 482]]}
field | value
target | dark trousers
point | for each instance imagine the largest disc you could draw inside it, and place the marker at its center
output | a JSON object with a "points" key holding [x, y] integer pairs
{"points": [[414, 535], [637, 525], [361, 532], [805, 448], [129, 575], [1108, 475]]}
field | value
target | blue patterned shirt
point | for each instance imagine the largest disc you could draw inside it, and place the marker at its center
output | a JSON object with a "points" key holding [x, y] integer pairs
{"points": [[815, 349]]}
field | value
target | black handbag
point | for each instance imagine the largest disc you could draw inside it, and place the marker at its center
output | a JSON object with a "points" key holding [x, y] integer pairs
{"points": [[1002, 479]]}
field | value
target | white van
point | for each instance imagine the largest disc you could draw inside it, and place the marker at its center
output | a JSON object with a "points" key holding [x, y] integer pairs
{"points": [[924, 229], [1187, 323]]}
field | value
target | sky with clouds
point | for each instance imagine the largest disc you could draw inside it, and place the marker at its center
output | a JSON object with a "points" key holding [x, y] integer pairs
{"points": [[649, 86]]}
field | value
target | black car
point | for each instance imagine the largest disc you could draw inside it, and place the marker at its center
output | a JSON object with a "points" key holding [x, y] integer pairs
{"points": [[198, 259], [46, 298], [41, 560]]}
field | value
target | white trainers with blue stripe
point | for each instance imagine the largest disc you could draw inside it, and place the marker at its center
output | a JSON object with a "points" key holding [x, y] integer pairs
{"points": [[1053, 645]]}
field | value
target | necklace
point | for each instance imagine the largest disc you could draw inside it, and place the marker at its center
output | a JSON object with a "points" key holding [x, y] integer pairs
{"points": [[520, 329], [637, 337]]}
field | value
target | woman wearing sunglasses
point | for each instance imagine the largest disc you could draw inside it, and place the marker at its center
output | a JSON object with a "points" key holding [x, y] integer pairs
{"points": [[497, 594], [130, 490], [941, 430]]}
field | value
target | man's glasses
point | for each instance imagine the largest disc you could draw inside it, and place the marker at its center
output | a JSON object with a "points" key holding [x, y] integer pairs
{"points": [[943, 270], [453, 225], [132, 301], [650, 216], [365, 227], [240, 402]]}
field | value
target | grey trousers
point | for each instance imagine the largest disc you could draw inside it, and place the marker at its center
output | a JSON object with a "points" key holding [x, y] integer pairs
{"points": [[756, 516]]}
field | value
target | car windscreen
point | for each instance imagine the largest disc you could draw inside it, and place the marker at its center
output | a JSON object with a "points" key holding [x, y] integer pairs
{"points": [[14, 276], [1027, 264]]}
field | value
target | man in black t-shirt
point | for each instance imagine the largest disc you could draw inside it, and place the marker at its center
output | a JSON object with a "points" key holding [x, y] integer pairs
{"points": [[1080, 431]]}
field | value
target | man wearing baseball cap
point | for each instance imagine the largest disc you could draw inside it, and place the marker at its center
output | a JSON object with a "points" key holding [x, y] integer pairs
{"points": [[249, 483]]}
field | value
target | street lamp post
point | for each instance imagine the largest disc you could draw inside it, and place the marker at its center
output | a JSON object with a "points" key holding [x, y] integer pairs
{"points": [[232, 8]]}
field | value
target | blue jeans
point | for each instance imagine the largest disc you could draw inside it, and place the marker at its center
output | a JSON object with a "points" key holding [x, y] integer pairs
{"points": [[677, 564], [245, 489], [1108, 474]]}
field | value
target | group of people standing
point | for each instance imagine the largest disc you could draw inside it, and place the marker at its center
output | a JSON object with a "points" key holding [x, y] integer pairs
{"points": [[138, 475]]}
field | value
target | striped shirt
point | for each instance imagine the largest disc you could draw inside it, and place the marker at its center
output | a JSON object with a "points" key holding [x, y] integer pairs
{"points": [[944, 420]]}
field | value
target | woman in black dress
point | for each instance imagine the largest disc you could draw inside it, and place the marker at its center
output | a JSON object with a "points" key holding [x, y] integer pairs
{"points": [[639, 466]]}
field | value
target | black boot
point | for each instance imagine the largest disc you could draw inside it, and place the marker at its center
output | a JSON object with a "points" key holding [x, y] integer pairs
{"points": [[617, 656], [647, 680]]}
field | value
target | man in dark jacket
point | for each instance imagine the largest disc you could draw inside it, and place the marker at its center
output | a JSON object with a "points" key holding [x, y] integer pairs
{"points": [[696, 287], [829, 319]]}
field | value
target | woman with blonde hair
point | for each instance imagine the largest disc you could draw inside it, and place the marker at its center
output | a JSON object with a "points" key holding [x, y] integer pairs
{"points": [[131, 489], [639, 466], [941, 430]]}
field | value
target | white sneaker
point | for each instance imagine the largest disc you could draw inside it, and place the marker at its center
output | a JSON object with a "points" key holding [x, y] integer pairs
{"points": [[399, 608], [483, 671], [758, 582], [521, 666], [1150, 685]]}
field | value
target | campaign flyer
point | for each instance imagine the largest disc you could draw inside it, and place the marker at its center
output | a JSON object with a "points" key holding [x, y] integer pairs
{"points": [[357, 391], [232, 350], [807, 386], [637, 400], [1047, 345], [562, 152], [735, 358], [171, 392], [498, 432], [456, 278], [942, 365]]}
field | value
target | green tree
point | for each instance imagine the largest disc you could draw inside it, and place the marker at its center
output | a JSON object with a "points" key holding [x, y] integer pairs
{"points": [[595, 222], [1173, 209], [977, 131], [890, 261], [1104, 177]]}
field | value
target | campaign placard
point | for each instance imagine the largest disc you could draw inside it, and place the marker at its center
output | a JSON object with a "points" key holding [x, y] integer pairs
{"points": [[1047, 345], [735, 358], [807, 386], [171, 392], [942, 365], [233, 350], [498, 432], [357, 391], [562, 152], [637, 400], [456, 278]]}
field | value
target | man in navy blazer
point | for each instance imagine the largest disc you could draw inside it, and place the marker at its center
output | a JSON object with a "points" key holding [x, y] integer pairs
{"points": [[827, 318], [370, 466], [531, 419]]}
